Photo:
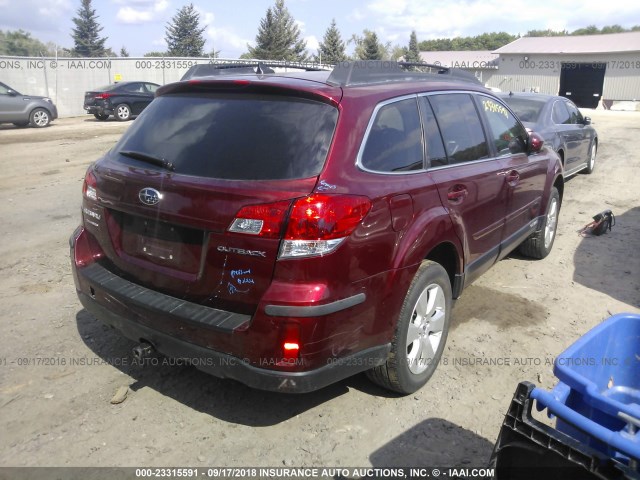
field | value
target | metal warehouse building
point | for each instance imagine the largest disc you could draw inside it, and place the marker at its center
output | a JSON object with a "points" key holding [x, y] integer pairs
{"points": [[482, 63], [586, 69]]}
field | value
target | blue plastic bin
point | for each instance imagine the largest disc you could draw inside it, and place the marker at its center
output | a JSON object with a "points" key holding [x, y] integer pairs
{"points": [[598, 398]]}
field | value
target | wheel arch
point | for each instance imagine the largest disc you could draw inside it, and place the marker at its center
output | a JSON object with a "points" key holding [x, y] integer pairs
{"points": [[447, 255], [39, 107]]}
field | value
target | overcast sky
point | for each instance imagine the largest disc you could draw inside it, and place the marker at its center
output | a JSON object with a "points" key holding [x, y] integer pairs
{"points": [[139, 25]]}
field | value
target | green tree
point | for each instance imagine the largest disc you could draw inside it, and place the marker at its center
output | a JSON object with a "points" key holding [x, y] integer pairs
{"points": [[124, 52], [613, 29], [485, 41], [279, 38], [86, 34], [184, 34], [412, 52], [156, 54], [546, 33], [20, 44], [588, 30], [332, 48], [371, 47], [368, 47]]}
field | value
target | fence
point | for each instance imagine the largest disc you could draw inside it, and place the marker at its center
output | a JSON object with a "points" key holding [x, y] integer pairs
{"points": [[66, 79]]}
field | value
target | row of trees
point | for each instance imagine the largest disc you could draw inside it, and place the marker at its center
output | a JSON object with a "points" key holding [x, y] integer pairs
{"points": [[495, 40], [278, 38]]}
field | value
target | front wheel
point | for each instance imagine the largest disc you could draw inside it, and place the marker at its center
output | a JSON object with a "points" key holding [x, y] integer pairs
{"points": [[39, 118], [539, 244], [123, 112], [591, 164], [421, 332]]}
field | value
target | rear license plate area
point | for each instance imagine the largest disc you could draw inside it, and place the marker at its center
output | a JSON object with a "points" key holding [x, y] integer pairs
{"points": [[161, 243]]}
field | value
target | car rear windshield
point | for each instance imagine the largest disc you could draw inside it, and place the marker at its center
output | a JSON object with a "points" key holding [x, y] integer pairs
{"points": [[528, 110], [234, 136]]}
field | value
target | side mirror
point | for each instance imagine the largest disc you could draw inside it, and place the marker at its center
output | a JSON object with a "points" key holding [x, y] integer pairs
{"points": [[11, 93], [535, 142], [587, 120]]}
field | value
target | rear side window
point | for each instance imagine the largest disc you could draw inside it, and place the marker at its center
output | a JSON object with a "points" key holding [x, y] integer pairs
{"points": [[507, 134], [234, 136], [394, 143], [575, 117], [151, 88], [460, 125], [527, 109], [133, 88], [560, 113]]}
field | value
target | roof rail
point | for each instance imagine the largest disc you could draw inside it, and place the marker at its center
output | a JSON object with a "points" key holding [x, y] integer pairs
{"points": [[368, 72], [242, 67]]}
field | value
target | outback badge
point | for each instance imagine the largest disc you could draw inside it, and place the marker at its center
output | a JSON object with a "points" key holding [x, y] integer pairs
{"points": [[149, 196]]}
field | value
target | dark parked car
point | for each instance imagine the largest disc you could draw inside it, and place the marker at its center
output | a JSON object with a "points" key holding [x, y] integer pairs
{"points": [[23, 110], [289, 231], [123, 100], [561, 125]]}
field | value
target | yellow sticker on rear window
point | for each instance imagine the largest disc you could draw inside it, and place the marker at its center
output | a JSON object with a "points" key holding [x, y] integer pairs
{"points": [[491, 106]]}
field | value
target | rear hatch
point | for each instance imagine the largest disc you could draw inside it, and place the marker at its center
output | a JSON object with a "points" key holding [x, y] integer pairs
{"points": [[174, 190]]}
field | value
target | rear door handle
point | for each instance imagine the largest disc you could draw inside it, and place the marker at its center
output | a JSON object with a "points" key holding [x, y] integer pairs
{"points": [[511, 176], [457, 194]]}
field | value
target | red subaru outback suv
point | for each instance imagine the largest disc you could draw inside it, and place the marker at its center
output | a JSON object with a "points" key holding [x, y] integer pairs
{"points": [[289, 231]]}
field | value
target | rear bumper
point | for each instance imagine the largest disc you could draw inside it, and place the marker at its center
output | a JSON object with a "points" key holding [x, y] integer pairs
{"points": [[227, 366], [97, 110], [224, 344]]}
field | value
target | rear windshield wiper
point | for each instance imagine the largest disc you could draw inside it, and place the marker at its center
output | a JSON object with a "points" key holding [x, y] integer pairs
{"points": [[160, 162]]}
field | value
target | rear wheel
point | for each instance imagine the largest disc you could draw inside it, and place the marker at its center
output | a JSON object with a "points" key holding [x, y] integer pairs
{"points": [[420, 334], [539, 244], [101, 116], [39, 118], [591, 164], [123, 112]]}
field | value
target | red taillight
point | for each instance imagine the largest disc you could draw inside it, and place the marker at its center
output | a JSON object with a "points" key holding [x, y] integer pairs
{"points": [[86, 249], [103, 96], [326, 217], [263, 220], [291, 341], [89, 186], [317, 224]]}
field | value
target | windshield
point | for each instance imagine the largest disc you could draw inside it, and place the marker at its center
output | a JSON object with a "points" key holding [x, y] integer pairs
{"points": [[231, 136], [527, 109]]}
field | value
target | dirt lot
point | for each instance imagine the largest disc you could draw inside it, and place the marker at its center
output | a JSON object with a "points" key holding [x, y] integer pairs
{"points": [[59, 368]]}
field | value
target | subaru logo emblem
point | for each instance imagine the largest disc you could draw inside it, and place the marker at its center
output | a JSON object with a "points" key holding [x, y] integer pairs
{"points": [[149, 196]]}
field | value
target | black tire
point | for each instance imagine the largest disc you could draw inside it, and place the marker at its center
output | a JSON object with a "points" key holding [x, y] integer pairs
{"points": [[122, 112], [540, 243], [591, 163], [101, 116], [410, 365], [40, 118], [21, 124]]}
